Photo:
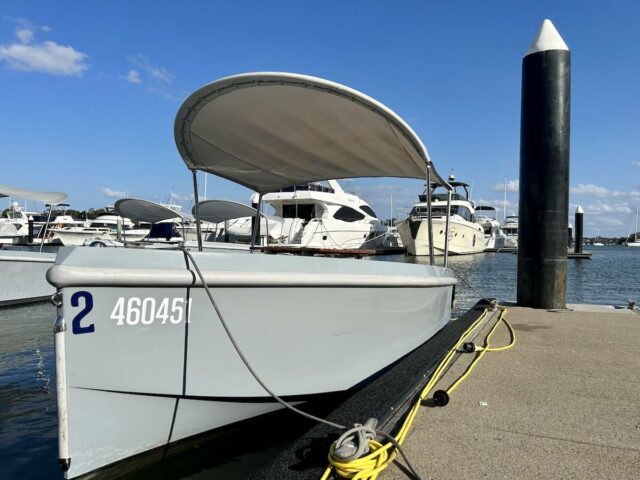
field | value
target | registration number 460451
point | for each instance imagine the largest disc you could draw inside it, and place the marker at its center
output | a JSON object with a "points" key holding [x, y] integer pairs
{"points": [[145, 311]]}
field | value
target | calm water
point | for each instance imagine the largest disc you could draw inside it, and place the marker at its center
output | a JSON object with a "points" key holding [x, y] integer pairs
{"points": [[28, 444]]}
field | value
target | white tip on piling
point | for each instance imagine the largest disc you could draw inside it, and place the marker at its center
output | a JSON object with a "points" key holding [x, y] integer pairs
{"points": [[579, 209], [548, 38]]}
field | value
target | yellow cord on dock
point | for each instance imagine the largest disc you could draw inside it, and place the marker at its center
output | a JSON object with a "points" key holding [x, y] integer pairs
{"points": [[369, 466]]}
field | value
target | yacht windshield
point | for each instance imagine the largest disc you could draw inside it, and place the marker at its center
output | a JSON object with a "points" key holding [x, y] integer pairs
{"points": [[441, 211]]}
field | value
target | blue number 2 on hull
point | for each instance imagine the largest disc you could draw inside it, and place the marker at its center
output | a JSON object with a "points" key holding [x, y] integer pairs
{"points": [[88, 306]]}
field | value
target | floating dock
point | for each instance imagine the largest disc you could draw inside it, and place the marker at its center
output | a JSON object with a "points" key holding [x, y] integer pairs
{"points": [[563, 403]]}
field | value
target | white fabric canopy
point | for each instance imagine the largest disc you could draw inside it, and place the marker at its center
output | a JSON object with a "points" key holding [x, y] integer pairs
{"points": [[217, 211], [144, 210], [52, 198], [271, 130]]}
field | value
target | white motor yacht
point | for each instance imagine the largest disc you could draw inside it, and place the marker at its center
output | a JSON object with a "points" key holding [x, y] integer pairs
{"points": [[465, 235], [494, 237], [318, 216], [104, 227], [148, 355], [510, 229]]}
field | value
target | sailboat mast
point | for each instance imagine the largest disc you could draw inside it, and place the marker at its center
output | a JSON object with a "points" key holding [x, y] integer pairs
{"points": [[504, 202]]}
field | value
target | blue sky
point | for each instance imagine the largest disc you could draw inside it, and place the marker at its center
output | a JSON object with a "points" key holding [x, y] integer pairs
{"points": [[90, 89]]}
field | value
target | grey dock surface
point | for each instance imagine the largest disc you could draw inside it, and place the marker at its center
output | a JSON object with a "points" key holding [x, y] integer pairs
{"points": [[564, 402]]}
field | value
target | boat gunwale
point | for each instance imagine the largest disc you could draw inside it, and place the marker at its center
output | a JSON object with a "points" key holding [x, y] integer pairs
{"points": [[62, 276]]}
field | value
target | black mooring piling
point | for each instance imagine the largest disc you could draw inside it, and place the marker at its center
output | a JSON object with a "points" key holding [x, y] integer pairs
{"points": [[544, 171], [30, 230], [577, 248]]}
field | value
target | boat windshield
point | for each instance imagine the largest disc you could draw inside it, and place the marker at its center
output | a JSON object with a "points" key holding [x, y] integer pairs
{"points": [[311, 187], [441, 211]]}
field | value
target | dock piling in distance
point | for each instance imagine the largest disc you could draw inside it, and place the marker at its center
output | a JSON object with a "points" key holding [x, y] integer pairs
{"points": [[579, 229], [30, 230], [544, 171]]}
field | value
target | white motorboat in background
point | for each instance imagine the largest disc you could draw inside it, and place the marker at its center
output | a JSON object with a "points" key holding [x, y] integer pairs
{"points": [[596, 241], [22, 273], [494, 237], [142, 358], [319, 216], [14, 226], [465, 235], [104, 227], [510, 229]]}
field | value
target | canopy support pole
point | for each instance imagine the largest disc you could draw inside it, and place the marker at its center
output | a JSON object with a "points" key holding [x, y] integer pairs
{"points": [[46, 226], [197, 209], [446, 230], [429, 219], [256, 224]]}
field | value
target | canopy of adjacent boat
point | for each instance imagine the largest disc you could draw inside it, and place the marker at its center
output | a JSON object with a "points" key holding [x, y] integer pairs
{"points": [[218, 211], [267, 131], [144, 210], [52, 198]]}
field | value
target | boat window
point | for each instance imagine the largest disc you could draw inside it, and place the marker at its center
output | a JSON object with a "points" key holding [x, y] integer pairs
{"points": [[441, 197], [347, 214], [163, 230], [311, 187], [305, 211], [441, 211], [368, 210]]}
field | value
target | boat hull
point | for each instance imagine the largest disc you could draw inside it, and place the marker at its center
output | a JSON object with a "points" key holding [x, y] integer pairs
{"points": [[464, 238], [138, 381], [23, 276]]}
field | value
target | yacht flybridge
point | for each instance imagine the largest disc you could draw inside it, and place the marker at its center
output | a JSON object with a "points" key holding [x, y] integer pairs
{"points": [[144, 337], [436, 214]]}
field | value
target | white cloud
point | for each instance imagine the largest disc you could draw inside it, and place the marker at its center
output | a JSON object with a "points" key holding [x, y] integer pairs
{"points": [[590, 189], [108, 192], [159, 73], [46, 57], [607, 208], [605, 222], [133, 76], [155, 73], [25, 35], [513, 186]]}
